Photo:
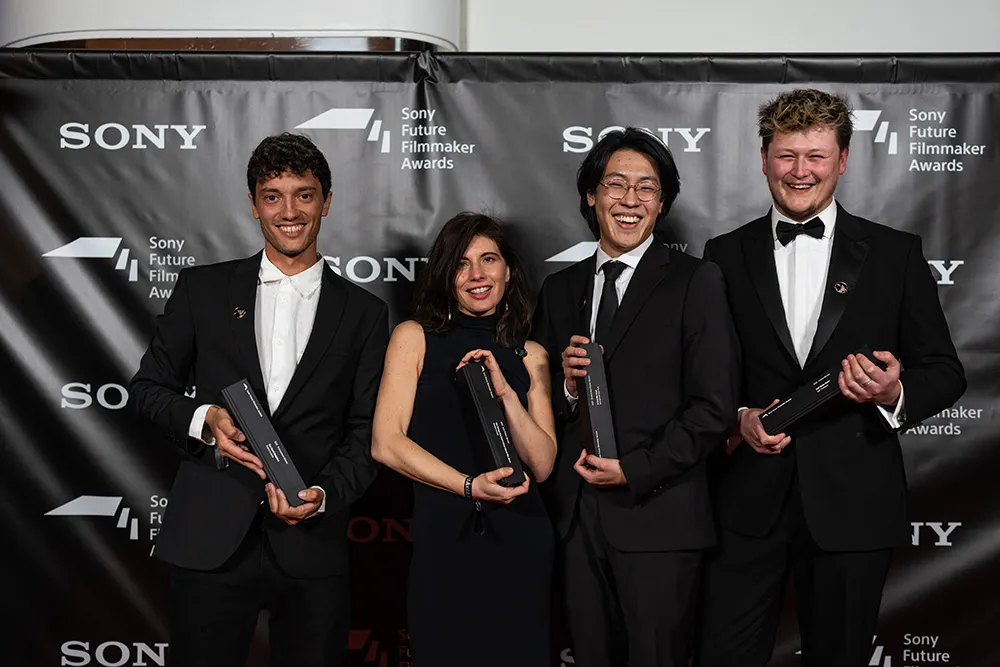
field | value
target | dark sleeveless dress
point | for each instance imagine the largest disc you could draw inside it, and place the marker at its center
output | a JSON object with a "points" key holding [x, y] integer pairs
{"points": [[474, 599]]}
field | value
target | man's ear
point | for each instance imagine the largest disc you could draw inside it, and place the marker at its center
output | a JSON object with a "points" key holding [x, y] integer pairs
{"points": [[253, 206]]}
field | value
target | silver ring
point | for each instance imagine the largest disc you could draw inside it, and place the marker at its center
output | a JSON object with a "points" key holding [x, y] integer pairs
{"points": [[866, 382]]}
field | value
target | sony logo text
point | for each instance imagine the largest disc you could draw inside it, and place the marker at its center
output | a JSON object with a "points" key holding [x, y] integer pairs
{"points": [[78, 395], [580, 138], [78, 653], [944, 268], [110, 396], [938, 531], [365, 269], [115, 136]]}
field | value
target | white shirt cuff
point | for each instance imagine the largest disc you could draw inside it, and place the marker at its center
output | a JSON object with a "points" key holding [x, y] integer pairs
{"points": [[199, 429], [570, 398], [322, 505], [893, 418]]}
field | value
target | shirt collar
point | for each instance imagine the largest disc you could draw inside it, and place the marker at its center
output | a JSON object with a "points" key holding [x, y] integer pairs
{"points": [[828, 215], [630, 259], [305, 283]]}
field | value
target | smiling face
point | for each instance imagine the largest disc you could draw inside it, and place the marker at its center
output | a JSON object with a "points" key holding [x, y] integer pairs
{"points": [[290, 208], [802, 169], [481, 278], [625, 223]]}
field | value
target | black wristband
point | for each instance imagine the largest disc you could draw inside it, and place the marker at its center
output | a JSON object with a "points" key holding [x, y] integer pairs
{"points": [[468, 487]]}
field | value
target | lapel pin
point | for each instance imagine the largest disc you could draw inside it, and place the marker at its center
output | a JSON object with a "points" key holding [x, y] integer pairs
{"points": [[239, 313], [840, 287]]}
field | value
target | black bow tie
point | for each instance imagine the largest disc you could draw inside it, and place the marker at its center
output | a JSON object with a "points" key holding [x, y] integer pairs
{"points": [[787, 231]]}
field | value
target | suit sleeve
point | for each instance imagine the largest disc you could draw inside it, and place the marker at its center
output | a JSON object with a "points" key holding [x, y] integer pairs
{"points": [[157, 389], [710, 362], [932, 373], [351, 469], [543, 332]]}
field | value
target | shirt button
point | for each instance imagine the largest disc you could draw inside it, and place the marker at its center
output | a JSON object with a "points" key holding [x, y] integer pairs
{"points": [[284, 299], [278, 342]]}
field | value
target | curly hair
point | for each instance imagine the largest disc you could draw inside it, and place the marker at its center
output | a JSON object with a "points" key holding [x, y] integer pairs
{"points": [[434, 298], [804, 108], [287, 152]]}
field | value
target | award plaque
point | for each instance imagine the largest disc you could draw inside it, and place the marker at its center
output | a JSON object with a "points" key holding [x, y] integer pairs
{"points": [[263, 440], [807, 398], [595, 406], [488, 428]]}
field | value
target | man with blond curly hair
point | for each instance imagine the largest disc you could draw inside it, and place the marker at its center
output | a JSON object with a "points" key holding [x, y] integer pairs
{"points": [[809, 284]]}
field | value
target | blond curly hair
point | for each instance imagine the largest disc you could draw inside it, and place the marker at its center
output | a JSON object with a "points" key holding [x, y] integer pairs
{"points": [[802, 109]]}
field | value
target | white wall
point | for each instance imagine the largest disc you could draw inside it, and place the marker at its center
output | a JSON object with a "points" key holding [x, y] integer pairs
{"points": [[733, 26], [27, 22], [670, 26]]}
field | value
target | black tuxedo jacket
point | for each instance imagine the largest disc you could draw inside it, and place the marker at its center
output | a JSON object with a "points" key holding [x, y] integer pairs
{"points": [[849, 461], [672, 367], [324, 418]]}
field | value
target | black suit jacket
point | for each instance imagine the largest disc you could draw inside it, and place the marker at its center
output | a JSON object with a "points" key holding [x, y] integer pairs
{"points": [[324, 418], [672, 365], [849, 461]]}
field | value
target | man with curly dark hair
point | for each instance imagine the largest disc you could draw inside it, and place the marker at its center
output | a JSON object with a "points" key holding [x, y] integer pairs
{"points": [[311, 345], [809, 285]]}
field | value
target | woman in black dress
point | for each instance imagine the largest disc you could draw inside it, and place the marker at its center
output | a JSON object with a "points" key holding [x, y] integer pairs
{"points": [[482, 552]]}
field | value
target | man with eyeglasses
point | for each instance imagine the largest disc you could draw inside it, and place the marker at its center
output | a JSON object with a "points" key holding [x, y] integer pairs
{"points": [[632, 529]]}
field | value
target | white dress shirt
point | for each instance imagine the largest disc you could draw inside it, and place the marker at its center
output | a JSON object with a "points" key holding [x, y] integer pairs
{"points": [[802, 268], [286, 309], [283, 320], [630, 260]]}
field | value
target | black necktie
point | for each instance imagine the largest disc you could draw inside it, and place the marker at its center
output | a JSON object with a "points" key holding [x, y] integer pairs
{"points": [[609, 299], [787, 231]]}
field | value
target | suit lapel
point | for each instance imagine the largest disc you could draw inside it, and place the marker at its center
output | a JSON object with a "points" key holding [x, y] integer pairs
{"points": [[329, 315], [242, 309], [581, 293], [648, 274], [847, 257], [758, 249]]}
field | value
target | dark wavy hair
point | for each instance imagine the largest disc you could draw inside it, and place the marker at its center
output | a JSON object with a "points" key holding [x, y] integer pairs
{"points": [[287, 152], [641, 141], [434, 299]]}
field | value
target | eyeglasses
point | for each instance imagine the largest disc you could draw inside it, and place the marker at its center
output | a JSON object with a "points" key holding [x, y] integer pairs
{"points": [[643, 191]]}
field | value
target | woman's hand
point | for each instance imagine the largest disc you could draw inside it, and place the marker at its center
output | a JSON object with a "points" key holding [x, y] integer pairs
{"points": [[487, 486], [500, 386]]}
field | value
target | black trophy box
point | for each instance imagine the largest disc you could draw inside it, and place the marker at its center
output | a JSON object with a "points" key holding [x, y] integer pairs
{"points": [[807, 398], [263, 439], [485, 421], [595, 406]]}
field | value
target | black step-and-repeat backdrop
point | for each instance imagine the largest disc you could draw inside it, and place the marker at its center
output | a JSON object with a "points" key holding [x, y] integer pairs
{"points": [[119, 170]]}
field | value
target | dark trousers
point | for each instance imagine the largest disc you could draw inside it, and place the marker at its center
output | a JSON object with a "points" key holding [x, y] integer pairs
{"points": [[624, 607], [837, 594], [213, 614]]}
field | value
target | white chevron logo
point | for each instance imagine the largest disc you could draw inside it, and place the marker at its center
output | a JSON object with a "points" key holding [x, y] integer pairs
{"points": [[865, 121], [99, 247], [99, 506], [580, 251], [349, 118]]}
